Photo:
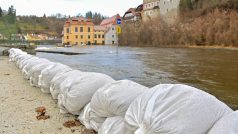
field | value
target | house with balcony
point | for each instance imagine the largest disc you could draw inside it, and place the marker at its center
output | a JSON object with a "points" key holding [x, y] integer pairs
{"points": [[133, 14], [78, 31]]}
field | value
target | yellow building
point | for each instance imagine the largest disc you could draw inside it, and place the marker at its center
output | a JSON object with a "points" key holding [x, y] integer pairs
{"points": [[99, 37], [78, 31]]}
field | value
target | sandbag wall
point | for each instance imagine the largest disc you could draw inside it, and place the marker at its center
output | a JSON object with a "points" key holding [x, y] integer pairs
{"points": [[126, 107]]}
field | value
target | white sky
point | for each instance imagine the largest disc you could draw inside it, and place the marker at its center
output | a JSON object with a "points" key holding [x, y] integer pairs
{"points": [[69, 7]]}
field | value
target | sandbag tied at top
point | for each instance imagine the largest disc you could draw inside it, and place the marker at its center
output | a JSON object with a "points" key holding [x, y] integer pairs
{"points": [[20, 58], [113, 125], [30, 64], [25, 61], [36, 70], [90, 119], [114, 99], [59, 83], [179, 109], [74, 97], [13, 52], [49, 73], [226, 125]]}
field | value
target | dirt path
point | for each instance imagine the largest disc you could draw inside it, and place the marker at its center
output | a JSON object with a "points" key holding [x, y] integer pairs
{"points": [[18, 101]]}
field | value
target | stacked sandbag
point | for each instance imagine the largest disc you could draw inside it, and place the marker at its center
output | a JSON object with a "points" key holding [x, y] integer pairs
{"points": [[25, 61], [19, 59], [13, 52], [169, 108], [36, 70], [226, 125], [90, 119], [80, 92], [57, 83], [113, 125], [30, 64], [114, 99], [49, 73]]}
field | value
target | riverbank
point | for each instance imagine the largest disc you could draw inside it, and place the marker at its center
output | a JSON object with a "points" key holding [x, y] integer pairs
{"points": [[19, 101], [187, 46]]}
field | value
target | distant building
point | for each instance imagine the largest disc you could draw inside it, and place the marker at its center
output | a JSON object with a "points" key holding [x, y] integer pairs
{"points": [[78, 31], [168, 9], [110, 25], [99, 35], [133, 14]]}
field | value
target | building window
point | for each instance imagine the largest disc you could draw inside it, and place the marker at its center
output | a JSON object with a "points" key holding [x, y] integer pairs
{"points": [[112, 36], [99, 36], [88, 29], [113, 28], [67, 37], [164, 2], [76, 29], [102, 36], [76, 43], [113, 42], [81, 29], [95, 36], [81, 36], [88, 36], [95, 42], [67, 30], [76, 36]]}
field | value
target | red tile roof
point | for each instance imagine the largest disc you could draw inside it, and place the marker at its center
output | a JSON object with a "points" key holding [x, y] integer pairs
{"points": [[110, 21]]}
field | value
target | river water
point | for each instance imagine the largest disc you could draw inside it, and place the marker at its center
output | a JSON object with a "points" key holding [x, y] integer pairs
{"points": [[212, 70]]}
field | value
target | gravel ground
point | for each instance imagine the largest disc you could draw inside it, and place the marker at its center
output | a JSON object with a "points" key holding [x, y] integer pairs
{"points": [[19, 101]]}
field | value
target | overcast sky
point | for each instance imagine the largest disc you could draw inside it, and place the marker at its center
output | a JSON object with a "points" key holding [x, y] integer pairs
{"points": [[69, 7]]}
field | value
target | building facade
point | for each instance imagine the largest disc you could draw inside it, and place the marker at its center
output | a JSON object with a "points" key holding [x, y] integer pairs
{"points": [[77, 31], [168, 9], [133, 14], [99, 35], [110, 25]]}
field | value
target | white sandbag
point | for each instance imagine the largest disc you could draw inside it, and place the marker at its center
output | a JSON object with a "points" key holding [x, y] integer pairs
{"points": [[114, 99], [14, 52], [36, 70], [25, 61], [90, 119], [79, 93], [226, 125], [22, 59], [57, 83], [30, 64], [49, 73], [179, 109], [113, 125]]}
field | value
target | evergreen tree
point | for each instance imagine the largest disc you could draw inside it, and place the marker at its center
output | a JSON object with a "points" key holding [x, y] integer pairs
{"points": [[89, 15], [11, 17], [1, 12]]}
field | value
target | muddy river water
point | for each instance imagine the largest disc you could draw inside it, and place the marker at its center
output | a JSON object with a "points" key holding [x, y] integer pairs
{"points": [[212, 70]]}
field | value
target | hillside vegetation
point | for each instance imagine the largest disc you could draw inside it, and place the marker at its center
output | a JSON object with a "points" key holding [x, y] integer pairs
{"points": [[200, 23], [52, 25]]}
